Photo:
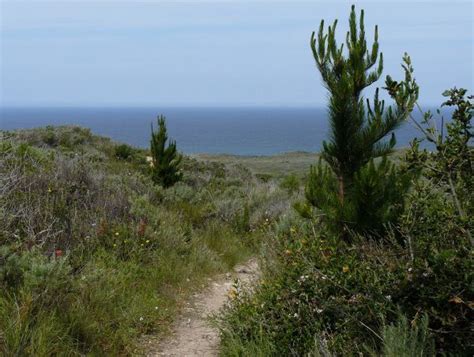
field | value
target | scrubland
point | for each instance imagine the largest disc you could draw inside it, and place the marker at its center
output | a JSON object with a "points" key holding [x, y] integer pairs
{"points": [[93, 254]]}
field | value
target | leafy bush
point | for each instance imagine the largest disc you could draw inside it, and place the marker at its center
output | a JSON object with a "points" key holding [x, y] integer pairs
{"points": [[49, 136], [291, 183], [317, 285], [124, 151], [450, 166]]}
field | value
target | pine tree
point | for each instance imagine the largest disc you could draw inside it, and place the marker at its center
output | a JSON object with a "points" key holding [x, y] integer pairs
{"points": [[166, 161], [347, 172]]}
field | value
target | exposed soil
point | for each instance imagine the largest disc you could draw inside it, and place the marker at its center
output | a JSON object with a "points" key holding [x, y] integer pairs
{"points": [[192, 334]]}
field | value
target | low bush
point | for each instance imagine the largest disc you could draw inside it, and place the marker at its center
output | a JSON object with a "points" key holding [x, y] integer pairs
{"points": [[318, 286], [291, 183], [124, 151], [403, 339]]}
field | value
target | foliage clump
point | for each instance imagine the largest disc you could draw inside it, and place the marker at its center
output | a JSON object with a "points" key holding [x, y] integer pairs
{"points": [[290, 183], [123, 151], [450, 167], [316, 287]]}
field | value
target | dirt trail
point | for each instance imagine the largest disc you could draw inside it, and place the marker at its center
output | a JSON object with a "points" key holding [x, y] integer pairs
{"points": [[191, 334]]}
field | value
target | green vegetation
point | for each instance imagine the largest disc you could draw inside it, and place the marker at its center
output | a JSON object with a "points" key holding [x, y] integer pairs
{"points": [[291, 183], [410, 292], [99, 246], [451, 165], [268, 167], [93, 254], [404, 340], [124, 151], [349, 188], [166, 161], [317, 287]]}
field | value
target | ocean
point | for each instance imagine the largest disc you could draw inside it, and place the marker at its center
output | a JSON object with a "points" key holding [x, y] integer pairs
{"points": [[239, 131]]}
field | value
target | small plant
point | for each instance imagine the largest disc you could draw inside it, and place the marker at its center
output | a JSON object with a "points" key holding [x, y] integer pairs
{"points": [[403, 339], [451, 165], [290, 183], [242, 221], [49, 136], [166, 161], [123, 151]]}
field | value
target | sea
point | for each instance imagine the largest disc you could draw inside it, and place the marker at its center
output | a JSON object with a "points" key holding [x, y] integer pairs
{"points": [[238, 131]]}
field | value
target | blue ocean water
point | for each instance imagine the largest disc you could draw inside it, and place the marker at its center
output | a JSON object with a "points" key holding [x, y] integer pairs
{"points": [[241, 131]]}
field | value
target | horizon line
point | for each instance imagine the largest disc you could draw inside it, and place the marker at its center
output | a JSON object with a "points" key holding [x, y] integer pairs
{"points": [[175, 106]]}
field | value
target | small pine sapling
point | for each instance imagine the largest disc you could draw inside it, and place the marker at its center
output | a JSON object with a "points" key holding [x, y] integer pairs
{"points": [[347, 175], [166, 161]]}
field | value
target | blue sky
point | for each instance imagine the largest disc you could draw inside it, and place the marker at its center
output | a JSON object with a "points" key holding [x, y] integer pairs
{"points": [[213, 53]]}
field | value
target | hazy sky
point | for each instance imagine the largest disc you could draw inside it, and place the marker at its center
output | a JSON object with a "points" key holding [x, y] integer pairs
{"points": [[213, 53]]}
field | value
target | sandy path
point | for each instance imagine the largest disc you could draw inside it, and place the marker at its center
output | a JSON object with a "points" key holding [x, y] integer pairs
{"points": [[191, 334]]}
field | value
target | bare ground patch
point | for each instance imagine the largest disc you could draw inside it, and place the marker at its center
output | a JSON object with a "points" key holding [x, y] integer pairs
{"points": [[192, 335]]}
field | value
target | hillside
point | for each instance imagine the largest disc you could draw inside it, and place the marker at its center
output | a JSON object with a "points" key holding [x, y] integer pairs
{"points": [[96, 259], [95, 255]]}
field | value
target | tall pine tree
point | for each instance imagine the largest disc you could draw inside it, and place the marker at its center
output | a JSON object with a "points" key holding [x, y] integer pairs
{"points": [[166, 161], [347, 185]]}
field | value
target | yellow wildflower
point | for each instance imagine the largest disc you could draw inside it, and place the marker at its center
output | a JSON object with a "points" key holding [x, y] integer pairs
{"points": [[232, 294], [345, 268]]}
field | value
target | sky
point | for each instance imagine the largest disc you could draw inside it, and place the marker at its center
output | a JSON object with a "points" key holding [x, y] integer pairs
{"points": [[213, 53]]}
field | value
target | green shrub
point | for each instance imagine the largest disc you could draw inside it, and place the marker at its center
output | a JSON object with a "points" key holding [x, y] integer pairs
{"points": [[242, 221], [319, 286], [49, 136], [403, 339], [264, 177], [124, 151], [290, 183], [451, 165]]}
